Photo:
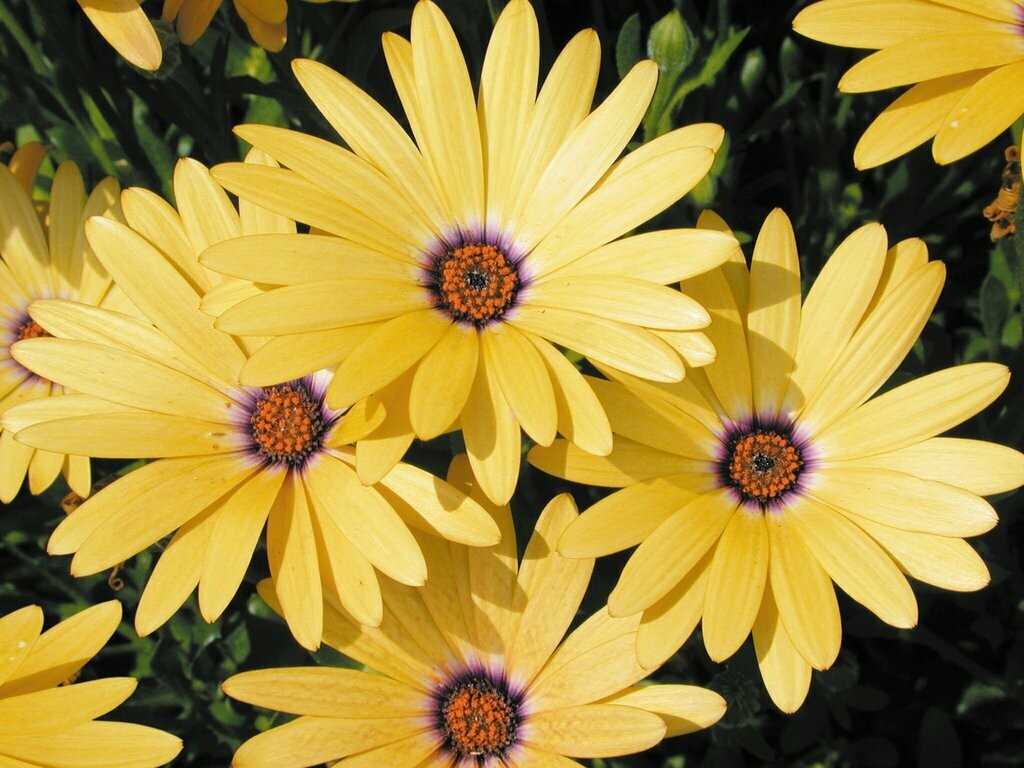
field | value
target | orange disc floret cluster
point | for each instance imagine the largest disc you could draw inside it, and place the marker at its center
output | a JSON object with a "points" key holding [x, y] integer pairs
{"points": [[475, 283], [30, 329], [478, 719], [763, 465], [286, 425]]}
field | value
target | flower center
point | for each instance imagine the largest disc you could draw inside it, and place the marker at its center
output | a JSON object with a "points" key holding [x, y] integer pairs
{"points": [[286, 424], [762, 464], [476, 283], [477, 717], [29, 329]]}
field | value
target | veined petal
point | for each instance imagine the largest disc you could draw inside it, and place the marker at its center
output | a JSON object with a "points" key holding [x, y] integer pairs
{"points": [[126, 529], [193, 19], [122, 377], [160, 223], [663, 257], [563, 102], [684, 708], [855, 562], [126, 27], [56, 709], [404, 339], [881, 23], [294, 567], [321, 305], [931, 56], [773, 312], [366, 189], [581, 418], [942, 561], [283, 358], [443, 378], [669, 622], [347, 577], [548, 593], [668, 554], [834, 307], [523, 379], [19, 632], [622, 298], [162, 293], [735, 584], [448, 133], [913, 118], [423, 746], [439, 508], [594, 730], [804, 594], [629, 463], [903, 501], [508, 88], [629, 348], [233, 541], [786, 674], [367, 520], [372, 133], [290, 259], [207, 214], [326, 692], [67, 201], [585, 155], [637, 188], [987, 109], [57, 653], [492, 437], [122, 745], [975, 465], [877, 348], [914, 411], [21, 238], [627, 517]]}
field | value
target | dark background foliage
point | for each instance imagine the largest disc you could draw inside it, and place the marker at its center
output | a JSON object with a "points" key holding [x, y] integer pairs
{"points": [[945, 694]]}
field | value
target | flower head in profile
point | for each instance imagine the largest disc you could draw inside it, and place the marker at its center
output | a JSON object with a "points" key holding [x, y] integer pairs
{"points": [[473, 670], [47, 721], [464, 257], [44, 255], [963, 59], [231, 459], [125, 25], [763, 478]]}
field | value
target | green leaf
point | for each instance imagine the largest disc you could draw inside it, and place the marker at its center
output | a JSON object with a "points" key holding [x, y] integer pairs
{"points": [[995, 309], [627, 47]]}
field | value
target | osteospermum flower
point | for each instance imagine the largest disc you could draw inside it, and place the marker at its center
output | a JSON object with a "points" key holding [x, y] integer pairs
{"points": [[45, 719], [463, 258], [474, 671], [44, 254], [232, 458], [125, 25], [761, 479], [965, 57]]}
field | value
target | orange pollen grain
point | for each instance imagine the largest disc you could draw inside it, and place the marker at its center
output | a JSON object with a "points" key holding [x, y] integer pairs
{"points": [[30, 329], [286, 425], [475, 283], [764, 465], [478, 719]]}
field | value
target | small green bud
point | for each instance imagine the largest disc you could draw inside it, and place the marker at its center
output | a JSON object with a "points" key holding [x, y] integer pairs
{"points": [[671, 43]]}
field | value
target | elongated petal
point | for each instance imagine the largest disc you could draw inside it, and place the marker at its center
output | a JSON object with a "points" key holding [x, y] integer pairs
{"points": [[348, 578], [786, 674], [19, 631], [669, 622], [441, 383], [684, 708], [117, 745], [492, 437], [207, 213], [735, 584], [629, 463], [523, 380], [595, 730], [283, 358], [856, 563], [985, 111], [668, 554], [56, 709], [126, 27]]}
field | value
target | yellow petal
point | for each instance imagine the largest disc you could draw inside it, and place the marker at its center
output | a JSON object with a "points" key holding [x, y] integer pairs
{"points": [[804, 594], [667, 624], [671, 551], [492, 437], [522, 378], [348, 578], [56, 709], [856, 563], [89, 745], [988, 108], [441, 383], [684, 708], [594, 730], [786, 674], [735, 584], [126, 27], [629, 463], [19, 631]]}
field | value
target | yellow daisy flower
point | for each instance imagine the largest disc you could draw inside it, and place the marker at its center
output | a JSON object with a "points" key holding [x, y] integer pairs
{"points": [[476, 676], [46, 722], [232, 458], [465, 257], [128, 29], [44, 255], [965, 56], [758, 481]]}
